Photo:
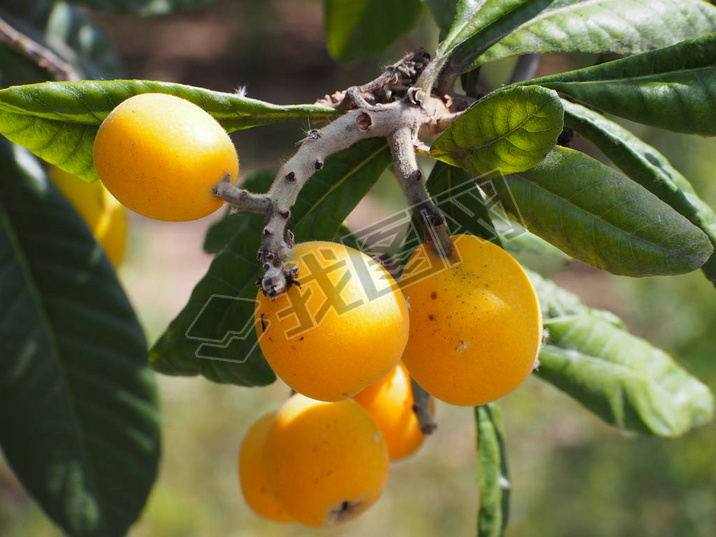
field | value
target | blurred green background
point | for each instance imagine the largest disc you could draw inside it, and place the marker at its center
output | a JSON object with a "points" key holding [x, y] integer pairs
{"points": [[572, 475]]}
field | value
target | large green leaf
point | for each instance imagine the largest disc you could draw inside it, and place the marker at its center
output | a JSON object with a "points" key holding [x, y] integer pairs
{"points": [[604, 26], [597, 215], [214, 334], [493, 474], [672, 88], [144, 8], [623, 379], [508, 131], [79, 422], [66, 31], [58, 121], [369, 27], [646, 166]]}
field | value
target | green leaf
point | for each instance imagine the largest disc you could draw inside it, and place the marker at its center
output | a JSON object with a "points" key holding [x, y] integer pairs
{"points": [[455, 193], [221, 233], [523, 241], [597, 215], [507, 132], [493, 475], [672, 88], [79, 422], [607, 26], [648, 167], [621, 378], [66, 31], [144, 8], [214, 332], [58, 121], [478, 24], [367, 27]]}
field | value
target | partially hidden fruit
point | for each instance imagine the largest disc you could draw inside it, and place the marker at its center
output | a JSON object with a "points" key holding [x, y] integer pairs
{"points": [[258, 495], [103, 214], [475, 322], [160, 156], [389, 401], [326, 462], [343, 328]]}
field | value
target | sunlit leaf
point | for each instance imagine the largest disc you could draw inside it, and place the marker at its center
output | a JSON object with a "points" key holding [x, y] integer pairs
{"points": [[58, 121], [508, 131]]}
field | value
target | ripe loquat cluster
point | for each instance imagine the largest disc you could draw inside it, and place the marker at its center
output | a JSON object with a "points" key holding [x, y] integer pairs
{"points": [[343, 334], [470, 335]]}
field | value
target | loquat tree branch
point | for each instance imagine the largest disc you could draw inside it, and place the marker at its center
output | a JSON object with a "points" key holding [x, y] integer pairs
{"points": [[421, 409], [431, 220], [409, 114], [526, 67], [38, 54], [241, 199], [389, 87]]}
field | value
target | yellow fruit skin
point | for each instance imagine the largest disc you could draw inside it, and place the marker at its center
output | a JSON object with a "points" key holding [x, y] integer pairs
{"points": [[389, 401], [475, 328], [105, 216], [327, 462], [160, 155], [333, 356], [258, 495]]}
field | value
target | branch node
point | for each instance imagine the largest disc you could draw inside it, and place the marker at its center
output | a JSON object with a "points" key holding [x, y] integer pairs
{"points": [[363, 121], [318, 164], [291, 177]]}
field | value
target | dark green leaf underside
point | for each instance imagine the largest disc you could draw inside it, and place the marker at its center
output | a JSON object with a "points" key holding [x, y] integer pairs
{"points": [[79, 422]]}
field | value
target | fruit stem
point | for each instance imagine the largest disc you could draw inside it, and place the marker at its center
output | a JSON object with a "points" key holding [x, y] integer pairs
{"points": [[239, 198], [402, 144], [400, 121], [421, 408]]}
